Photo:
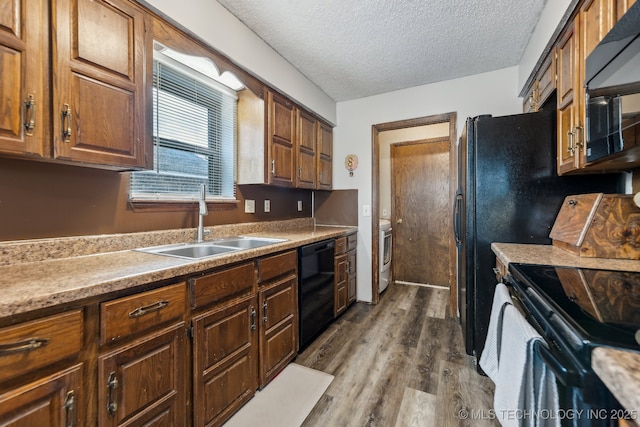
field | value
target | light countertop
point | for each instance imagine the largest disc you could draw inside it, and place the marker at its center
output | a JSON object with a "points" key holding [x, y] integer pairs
{"points": [[38, 274]]}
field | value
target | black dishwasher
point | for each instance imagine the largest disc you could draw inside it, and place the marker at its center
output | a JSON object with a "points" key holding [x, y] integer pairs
{"points": [[315, 289]]}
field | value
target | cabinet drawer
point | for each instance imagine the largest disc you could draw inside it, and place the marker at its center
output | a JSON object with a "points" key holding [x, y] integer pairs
{"points": [[141, 312], [341, 245], [222, 285], [352, 241], [277, 265], [38, 343]]}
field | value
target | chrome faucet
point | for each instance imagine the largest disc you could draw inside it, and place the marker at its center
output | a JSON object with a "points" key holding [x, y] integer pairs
{"points": [[202, 211]]}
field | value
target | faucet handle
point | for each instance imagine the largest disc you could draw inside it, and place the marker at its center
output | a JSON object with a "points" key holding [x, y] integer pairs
{"points": [[202, 201]]}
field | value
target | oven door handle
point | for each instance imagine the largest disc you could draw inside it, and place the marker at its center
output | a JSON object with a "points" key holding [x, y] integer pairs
{"points": [[566, 375]]}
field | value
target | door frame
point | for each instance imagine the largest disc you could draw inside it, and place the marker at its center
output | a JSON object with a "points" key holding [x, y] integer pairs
{"points": [[451, 118]]}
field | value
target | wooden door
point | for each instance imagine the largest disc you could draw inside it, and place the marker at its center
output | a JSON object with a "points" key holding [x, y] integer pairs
{"points": [[99, 98], [24, 59], [325, 154], [143, 383], [53, 401], [420, 189], [224, 361], [280, 140], [278, 303], [306, 150]]}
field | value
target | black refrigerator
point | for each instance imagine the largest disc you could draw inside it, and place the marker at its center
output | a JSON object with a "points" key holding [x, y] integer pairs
{"points": [[508, 191]]}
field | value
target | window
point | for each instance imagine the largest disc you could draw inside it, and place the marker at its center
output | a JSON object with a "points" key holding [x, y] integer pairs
{"points": [[194, 135]]}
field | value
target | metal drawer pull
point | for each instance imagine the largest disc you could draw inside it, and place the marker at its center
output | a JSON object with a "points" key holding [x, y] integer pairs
{"points": [[273, 167], [147, 309], [23, 346], [30, 111], [112, 394], [66, 123], [70, 410]]}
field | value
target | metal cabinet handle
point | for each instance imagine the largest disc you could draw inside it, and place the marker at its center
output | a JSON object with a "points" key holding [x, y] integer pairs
{"points": [[112, 394], [273, 167], [147, 309], [29, 115], [571, 148], [24, 346], [70, 410], [265, 318], [300, 172], [579, 130], [252, 318], [66, 123]]}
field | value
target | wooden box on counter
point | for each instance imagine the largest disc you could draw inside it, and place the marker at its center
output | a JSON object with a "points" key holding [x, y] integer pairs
{"points": [[598, 226]]}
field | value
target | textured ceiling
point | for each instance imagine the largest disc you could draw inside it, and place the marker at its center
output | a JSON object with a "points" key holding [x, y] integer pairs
{"points": [[357, 48]]}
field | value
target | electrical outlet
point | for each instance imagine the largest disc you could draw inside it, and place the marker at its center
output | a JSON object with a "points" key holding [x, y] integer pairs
{"points": [[299, 205], [249, 206], [267, 205]]}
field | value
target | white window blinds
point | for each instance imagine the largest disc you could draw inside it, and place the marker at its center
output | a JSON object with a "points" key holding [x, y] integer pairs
{"points": [[194, 137]]}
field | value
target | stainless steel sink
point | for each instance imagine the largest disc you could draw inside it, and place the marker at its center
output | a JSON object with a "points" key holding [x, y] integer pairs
{"points": [[246, 242], [211, 248]]}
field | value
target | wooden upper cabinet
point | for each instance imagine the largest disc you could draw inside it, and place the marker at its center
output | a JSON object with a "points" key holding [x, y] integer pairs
{"points": [[621, 8], [568, 72], [99, 105], [325, 157], [596, 19], [24, 98], [543, 85], [280, 134], [306, 147]]}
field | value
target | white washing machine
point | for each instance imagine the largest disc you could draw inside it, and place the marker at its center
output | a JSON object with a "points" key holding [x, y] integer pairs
{"points": [[385, 254]]}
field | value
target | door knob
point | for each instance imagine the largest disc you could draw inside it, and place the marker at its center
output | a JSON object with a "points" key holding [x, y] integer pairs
{"points": [[399, 221]]}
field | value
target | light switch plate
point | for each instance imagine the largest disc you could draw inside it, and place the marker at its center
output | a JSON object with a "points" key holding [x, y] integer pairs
{"points": [[299, 205], [267, 205], [365, 210], [249, 206]]}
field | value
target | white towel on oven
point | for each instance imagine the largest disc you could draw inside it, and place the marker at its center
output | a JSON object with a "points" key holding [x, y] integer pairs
{"points": [[524, 384], [490, 358]]}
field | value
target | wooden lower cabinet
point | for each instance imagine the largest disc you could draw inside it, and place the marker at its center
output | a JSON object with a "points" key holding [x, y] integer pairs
{"points": [[341, 287], [143, 383], [224, 360], [351, 276], [279, 326], [52, 401]]}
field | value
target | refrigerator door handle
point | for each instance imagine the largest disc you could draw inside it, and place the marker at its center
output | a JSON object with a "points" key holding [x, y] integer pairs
{"points": [[456, 219]]}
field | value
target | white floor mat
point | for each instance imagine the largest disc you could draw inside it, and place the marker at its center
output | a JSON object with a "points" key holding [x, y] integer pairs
{"points": [[284, 402]]}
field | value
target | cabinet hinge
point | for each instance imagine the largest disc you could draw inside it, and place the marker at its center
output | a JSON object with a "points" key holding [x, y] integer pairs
{"points": [[190, 330]]}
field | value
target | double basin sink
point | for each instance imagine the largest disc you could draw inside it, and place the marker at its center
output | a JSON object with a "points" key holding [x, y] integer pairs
{"points": [[211, 248]]}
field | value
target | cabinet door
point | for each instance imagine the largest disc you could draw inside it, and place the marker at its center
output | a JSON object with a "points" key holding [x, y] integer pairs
{"points": [[596, 19], [567, 100], [306, 150], [278, 303], [52, 401], [340, 289], [622, 6], [352, 276], [143, 383], [280, 140], [224, 361], [24, 99], [325, 155], [99, 56]]}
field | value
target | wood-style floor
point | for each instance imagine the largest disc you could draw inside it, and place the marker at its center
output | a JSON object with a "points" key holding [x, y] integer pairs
{"points": [[398, 363]]}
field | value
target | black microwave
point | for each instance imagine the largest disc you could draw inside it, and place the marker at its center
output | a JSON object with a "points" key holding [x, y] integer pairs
{"points": [[612, 130]]}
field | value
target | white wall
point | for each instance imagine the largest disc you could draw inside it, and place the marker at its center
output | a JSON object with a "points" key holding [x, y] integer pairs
{"points": [[488, 93], [549, 19], [224, 32]]}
